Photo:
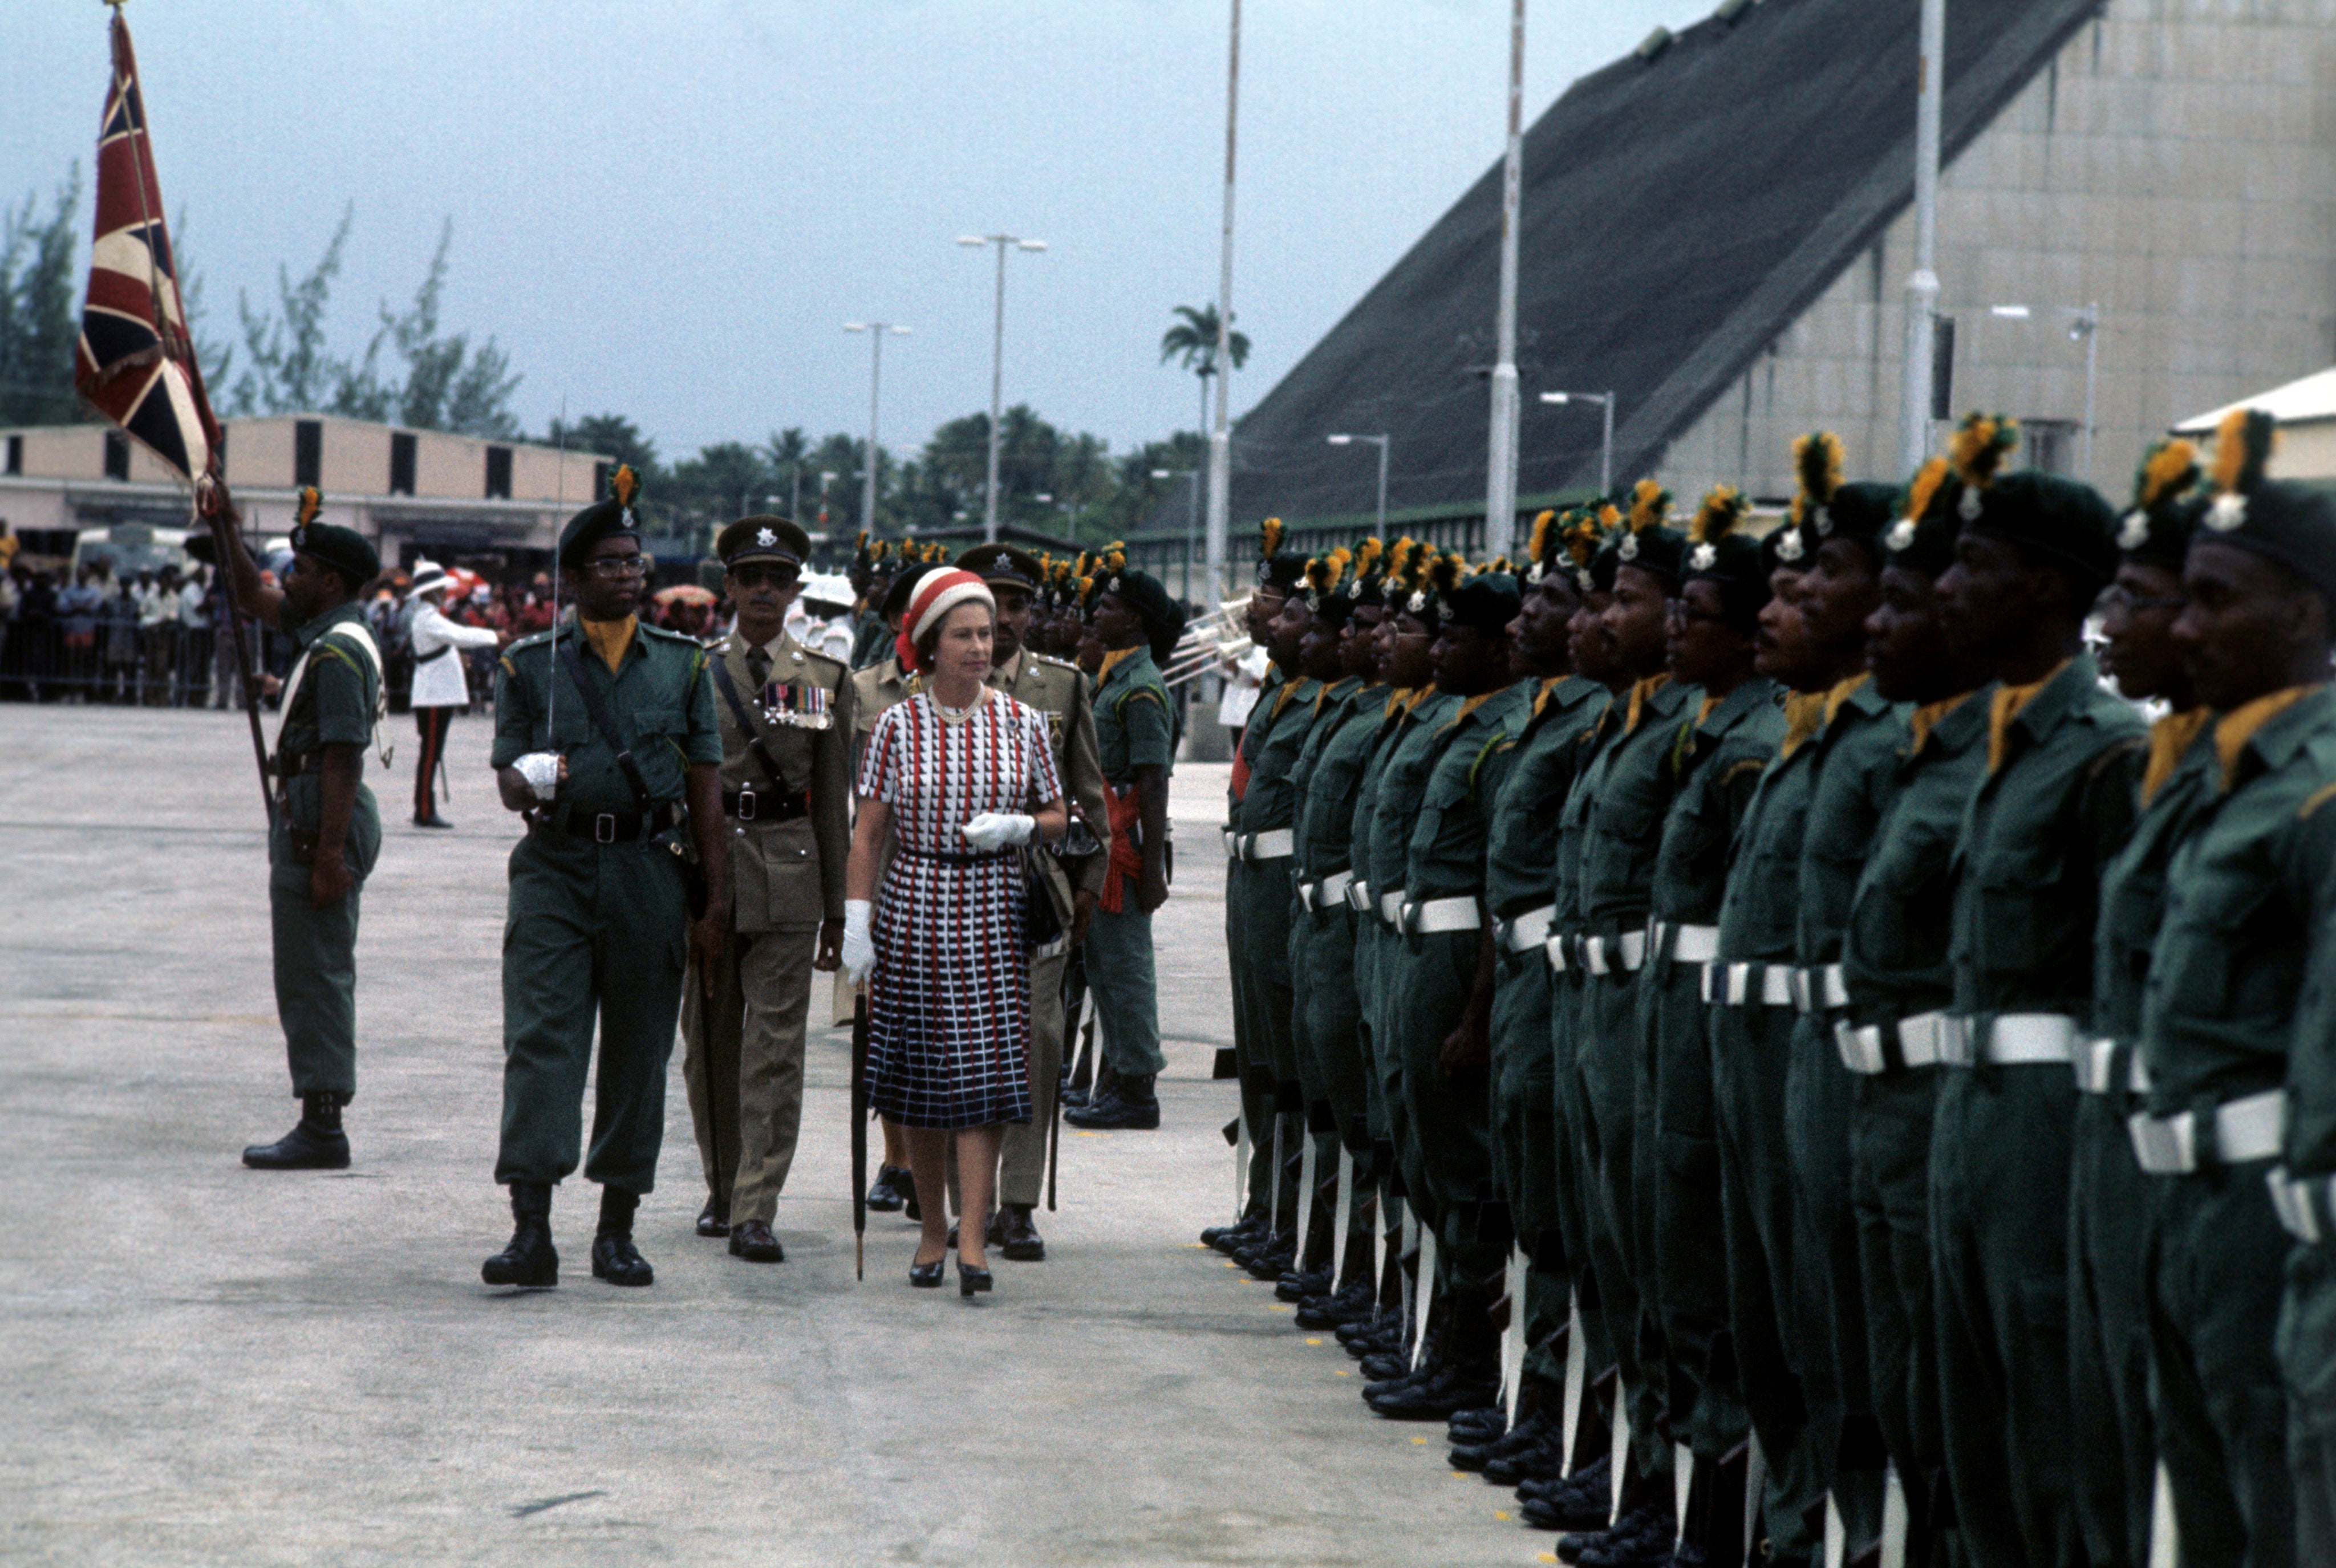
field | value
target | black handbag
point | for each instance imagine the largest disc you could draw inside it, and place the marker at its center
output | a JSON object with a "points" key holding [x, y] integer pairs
{"points": [[1041, 922]]}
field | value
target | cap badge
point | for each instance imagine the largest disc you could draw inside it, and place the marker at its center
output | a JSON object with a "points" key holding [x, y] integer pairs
{"points": [[2228, 512], [1968, 507], [1705, 558], [1417, 604], [1585, 581], [1902, 534], [1629, 549], [766, 536], [1790, 548], [2135, 532], [1112, 585], [1825, 522]]}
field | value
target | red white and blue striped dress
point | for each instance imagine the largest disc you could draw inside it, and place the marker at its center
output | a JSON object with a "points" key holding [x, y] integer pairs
{"points": [[948, 1004]]}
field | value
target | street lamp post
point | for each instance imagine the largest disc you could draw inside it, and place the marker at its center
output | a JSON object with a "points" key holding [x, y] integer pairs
{"points": [[1922, 283], [1191, 515], [1605, 400], [2085, 327], [1501, 481], [1221, 441], [875, 331], [1381, 443], [997, 365]]}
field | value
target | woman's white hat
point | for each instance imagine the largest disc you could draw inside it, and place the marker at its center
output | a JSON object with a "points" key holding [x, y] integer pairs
{"points": [[937, 594], [429, 577]]}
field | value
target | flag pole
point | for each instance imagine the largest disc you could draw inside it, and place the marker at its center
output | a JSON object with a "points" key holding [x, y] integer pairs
{"points": [[245, 676]]}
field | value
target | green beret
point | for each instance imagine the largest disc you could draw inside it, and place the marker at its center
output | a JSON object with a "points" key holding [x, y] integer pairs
{"points": [[343, 548], [1656, 548], [2058, 518], [1733, 562], [1487, 603], [1149, 598], [763, 538], [2285, 524], [1922, 540], [1862, 511], [601, 520], [1002, 563]]}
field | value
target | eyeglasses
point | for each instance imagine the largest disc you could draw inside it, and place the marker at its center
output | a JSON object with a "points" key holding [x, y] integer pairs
{"points": [[2120, 600], [611, 566], [752, 576]]}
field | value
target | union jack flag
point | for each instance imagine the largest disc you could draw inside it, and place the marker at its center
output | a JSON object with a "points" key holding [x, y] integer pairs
{"points": [[135, 362]]}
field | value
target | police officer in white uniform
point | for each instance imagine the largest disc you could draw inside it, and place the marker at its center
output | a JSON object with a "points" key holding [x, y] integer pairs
{"points": [[439, 687]]}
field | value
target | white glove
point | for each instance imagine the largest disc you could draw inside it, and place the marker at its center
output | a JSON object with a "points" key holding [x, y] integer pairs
{"points": [[859, 946], [993, 830]]}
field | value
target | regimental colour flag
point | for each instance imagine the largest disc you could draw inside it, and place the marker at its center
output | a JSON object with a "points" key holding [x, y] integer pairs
{"points": [[135, 362]]}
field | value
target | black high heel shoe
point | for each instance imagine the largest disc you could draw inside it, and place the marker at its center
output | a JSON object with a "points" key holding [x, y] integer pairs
{"points": [[926, 1276], [971, 1280]]}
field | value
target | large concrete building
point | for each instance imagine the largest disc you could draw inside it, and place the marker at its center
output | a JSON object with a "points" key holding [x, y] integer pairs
{"points": [[412, 491], [1718, 230]]}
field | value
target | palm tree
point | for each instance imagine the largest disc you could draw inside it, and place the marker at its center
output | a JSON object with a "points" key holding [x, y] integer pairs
{"points": [[1192, 343], [788, 449]]}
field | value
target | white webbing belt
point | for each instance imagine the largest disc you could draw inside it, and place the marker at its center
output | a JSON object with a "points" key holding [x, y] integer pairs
{"points": [[1615, 955], [2010, 1040], [2307, 1208], [1521, 934], [1391, 907], [1866, 1049], [1358, 896], [1737, 986], [1694, 944], [1332, 889], [2096, 1068], [1820, 988], [1274, 844], [2241, 1130], [1437, 916]]}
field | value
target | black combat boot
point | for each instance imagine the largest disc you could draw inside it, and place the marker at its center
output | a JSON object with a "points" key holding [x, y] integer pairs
{"points": [[614, 1257], [529, 1262], [316, 1144], [1128, 1105]]}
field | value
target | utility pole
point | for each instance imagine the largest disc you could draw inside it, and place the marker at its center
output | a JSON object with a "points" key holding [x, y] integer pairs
{"points": [[876, 331], [1221, 441], [996, 367], [1501, 481], [1923, 284]]}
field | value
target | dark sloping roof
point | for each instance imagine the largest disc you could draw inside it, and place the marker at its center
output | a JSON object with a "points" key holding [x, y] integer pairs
{"points": [[1679, 213]]}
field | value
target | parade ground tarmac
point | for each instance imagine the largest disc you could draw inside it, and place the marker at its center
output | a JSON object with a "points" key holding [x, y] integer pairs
{"points": [[205, 1364]]}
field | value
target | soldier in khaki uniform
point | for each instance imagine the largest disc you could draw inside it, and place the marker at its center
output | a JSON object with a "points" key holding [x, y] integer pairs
{"points": [[1061, 692], [786, 715]]}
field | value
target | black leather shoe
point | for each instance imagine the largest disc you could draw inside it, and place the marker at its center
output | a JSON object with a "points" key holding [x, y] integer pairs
{"points": [[1538, 1463], [713, 1220], [433, 821], [1231, 1238], [1128, 1106], [1353, 1304], [928, 1276], [530, 1261], [1018, 1237], [1269, 1261], [884, 1193], [614, 1257], [1436, 1399], [972, 1282], [752, 1241], [316, 1143], [1522, 1437], [1293, 1287]]}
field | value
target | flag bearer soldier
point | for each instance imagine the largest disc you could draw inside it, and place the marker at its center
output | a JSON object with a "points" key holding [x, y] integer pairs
{"points": [[325, 830], [1257, 889], [1442, 974], [1894, 957], [1853, 760], [600, 920], [1716, 760], [2055, 805], [1339, 649], [1060, 691], [1520, 859], [785, 716], [2110, 1196], [2253, 876]]}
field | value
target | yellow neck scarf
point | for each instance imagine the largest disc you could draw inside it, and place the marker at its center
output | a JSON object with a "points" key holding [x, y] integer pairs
{"points": [[2238, 726], [1804, 713], [610, 638], [2005, 706], [1926, 717], [2169, 741], [1639, 693]]}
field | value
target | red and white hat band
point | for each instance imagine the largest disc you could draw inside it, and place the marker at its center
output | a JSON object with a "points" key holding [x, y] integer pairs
{"points": [[936, 595]]}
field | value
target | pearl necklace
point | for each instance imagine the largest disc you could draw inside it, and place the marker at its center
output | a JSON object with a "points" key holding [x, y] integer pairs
{"points": [[955, 715]]}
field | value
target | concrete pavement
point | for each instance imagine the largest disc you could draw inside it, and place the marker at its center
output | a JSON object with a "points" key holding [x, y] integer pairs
{"points": [[205, 1364]]}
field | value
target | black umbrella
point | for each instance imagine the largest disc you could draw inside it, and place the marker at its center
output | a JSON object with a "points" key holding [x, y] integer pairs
{"points": [[860, 1137]]}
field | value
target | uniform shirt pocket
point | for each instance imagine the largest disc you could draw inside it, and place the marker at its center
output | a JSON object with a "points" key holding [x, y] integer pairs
{"points": [[2023, 925]]}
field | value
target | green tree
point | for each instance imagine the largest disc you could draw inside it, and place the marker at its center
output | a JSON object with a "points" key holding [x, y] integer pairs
{"points": [[38, 327], [790, 452], [291, 370], [612, 435], [1192, 341]]}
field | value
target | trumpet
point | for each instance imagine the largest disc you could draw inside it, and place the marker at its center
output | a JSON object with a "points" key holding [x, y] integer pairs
{"points": [[1209, 642]]}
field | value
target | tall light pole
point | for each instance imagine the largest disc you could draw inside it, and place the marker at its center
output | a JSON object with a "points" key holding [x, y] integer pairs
{"points": [[875, 331], [1922, 283], [997, 365], [1605, 400], [2083, 326], [1191, 514], [1381, 443], [1501, 481], [1221, 441]]}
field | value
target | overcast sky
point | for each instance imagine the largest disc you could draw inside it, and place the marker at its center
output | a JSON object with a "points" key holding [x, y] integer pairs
{"points": [[669, 210]]}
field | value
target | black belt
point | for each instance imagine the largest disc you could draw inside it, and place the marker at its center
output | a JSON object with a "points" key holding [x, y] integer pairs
{"points": [[753, 805], [307, 762], [607, 827], [959, 857], [439, 652]]}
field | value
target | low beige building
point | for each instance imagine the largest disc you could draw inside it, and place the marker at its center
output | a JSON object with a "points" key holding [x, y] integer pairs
{"points": [[2305, 412], [409, 491]]}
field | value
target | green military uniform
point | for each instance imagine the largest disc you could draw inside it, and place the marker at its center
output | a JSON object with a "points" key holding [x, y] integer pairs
{"points": [[1252, 1050], [2306, 1339], [871, 640], [743, 1059], [1856, 758], [1323, 1009], [1894, 957], [332, 700], [599, 917], [1520, 869], [1782, 1351], [1266, 887], [2056, 804], [2110, 1196], [1132, 730], [1434, 971], [1629, 788], [2253, 875], [1717, 762]]}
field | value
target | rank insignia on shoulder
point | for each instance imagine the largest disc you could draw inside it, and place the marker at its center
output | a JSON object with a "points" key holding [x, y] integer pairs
{"points": [[797, 705]]}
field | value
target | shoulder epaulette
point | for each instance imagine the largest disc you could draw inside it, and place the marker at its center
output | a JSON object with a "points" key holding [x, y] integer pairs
{"points": [[1051, 662], [668, 633], [532, 639]]}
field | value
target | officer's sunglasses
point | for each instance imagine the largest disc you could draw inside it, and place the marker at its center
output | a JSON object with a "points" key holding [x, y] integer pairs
{"points": [[752, 576], [613, 566], [2117, 598]]}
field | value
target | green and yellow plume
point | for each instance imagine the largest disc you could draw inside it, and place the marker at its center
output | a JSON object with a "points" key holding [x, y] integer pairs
{"points": [[1537, 543], [2243, 446], [1269, 539], [1650, 504], [624, 485], [2167, 469], [1979, 446], [1723, 508], [312, 501], [1817, 462], [1923, 489]]}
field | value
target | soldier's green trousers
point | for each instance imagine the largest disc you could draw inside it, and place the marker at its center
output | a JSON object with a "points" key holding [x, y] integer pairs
{"points": [[1122, 985], [1525, 1151], [1250, 1057], [1611, 1045], [1576, 1177], [2109, 1200], [316, 949], [2000, 1158], [1890, 1188], [1751, 1051], [2306, 1342], [1322, 967], [594, 932], [1684, 1224], [2217, 1266], [1431, 977]]}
